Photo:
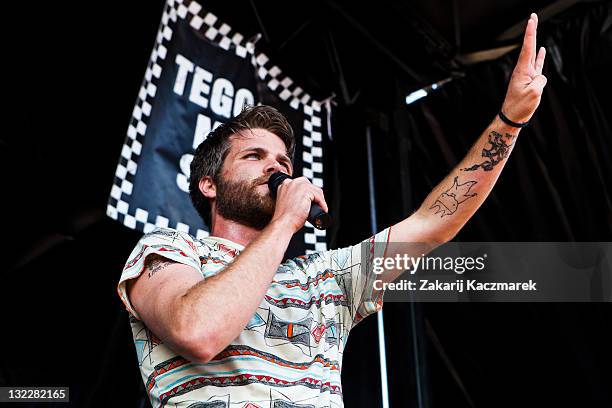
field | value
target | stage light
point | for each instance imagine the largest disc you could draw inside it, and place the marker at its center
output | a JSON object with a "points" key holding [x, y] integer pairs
{"points": [[423, 92], [415, 96]]}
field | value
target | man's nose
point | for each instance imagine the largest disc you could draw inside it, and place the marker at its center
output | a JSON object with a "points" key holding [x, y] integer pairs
{"points": [[273, 166]]}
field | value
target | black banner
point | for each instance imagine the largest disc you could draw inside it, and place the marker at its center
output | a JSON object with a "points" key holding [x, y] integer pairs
{"points": [[200, 74]]}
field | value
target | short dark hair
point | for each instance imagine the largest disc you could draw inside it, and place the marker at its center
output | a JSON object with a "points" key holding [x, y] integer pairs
{"points": [[211, 153]]}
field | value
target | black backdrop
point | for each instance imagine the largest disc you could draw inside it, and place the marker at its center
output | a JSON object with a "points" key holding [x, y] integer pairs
{"points": [[77, 72], [556, 187]]}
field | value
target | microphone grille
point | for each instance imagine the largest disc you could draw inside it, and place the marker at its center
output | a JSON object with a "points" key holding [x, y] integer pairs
{"points": [[275, 180]]}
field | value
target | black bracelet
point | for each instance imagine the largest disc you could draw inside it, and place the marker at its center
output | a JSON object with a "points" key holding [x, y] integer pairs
{"points": [[507, 121]]}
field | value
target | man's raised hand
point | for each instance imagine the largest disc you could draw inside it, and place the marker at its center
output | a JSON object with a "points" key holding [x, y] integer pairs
{"points": [[527, 82]]}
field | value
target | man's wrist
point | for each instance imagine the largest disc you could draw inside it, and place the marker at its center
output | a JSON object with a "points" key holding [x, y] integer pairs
{"points": [[501, 127], [515, 112], [280, 228], [510, 122]]}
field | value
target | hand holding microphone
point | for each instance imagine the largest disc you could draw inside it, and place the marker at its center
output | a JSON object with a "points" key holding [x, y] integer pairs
{"points": [[316, 216]]}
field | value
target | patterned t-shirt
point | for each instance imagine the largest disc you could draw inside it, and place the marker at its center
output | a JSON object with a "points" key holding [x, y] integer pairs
{"points": [[288, 355]]}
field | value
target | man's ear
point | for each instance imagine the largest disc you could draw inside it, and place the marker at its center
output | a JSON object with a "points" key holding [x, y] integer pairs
{"points": [[207, 187]]}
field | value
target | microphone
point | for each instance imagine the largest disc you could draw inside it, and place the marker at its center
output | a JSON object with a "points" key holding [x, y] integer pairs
{"points": [[317, 217]]}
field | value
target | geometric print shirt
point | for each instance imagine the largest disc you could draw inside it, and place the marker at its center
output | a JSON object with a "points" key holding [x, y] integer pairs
{"points": [[289, 355]]}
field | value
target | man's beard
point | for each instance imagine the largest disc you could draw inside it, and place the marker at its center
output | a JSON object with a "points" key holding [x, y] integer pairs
{"points": [[241, 202]]}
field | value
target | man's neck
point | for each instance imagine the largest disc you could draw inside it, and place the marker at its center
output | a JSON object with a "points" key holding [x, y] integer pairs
{"points": [[233, 231]]}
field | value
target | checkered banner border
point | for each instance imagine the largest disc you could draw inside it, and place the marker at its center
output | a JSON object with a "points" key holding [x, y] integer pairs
{"points": [[222, 35]]}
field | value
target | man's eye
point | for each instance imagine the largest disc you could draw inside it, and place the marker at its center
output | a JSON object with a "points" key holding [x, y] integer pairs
{"points": [[252, 155]]}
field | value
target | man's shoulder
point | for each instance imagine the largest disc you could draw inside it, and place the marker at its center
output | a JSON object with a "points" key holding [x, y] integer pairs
{"points": [[167, 233], [170, 238], [204, 247]]}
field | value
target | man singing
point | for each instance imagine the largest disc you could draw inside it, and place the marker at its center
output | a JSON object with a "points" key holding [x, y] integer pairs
{"points": [[221, 322]]}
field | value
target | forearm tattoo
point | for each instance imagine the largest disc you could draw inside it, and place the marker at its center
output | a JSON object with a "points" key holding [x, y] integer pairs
{"points": [[498, 151], [156, 263], [448, 202]]}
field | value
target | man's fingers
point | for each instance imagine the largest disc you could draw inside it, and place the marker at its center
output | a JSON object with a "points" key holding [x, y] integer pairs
{"points": [[539, 64], [319, 198], [527, 55], [283, 183], [538, 83], [534, 40], [317, 192]]}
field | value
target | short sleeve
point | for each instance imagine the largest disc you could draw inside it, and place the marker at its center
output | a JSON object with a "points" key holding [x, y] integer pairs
{"points": [[174, 245], [354, 271]]}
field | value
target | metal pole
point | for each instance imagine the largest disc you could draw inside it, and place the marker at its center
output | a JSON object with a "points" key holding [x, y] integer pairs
{"points": [[413, 312], [373, 227], [417, 355]]}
